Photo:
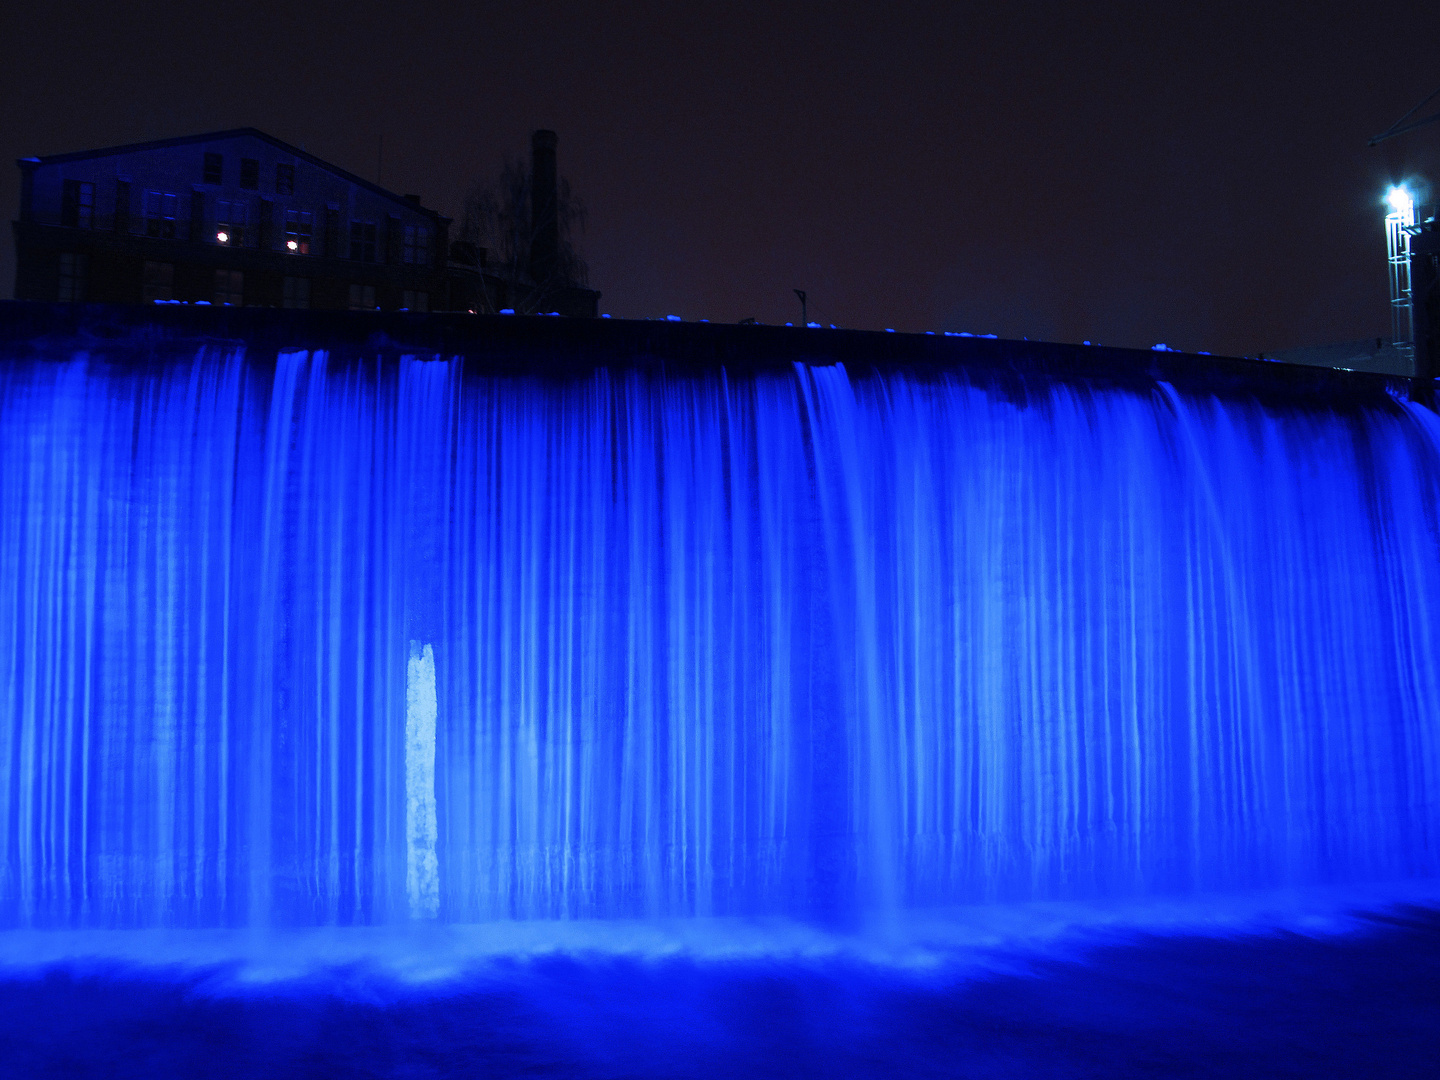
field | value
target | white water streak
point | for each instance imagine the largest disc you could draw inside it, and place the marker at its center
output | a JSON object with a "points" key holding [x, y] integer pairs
{"points": [[422, 867]]}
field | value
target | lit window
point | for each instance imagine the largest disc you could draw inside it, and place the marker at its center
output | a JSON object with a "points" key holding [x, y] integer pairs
{"points": [[362, 241], [213, 168], [250, 173], [160, 210], [230, 223], [77, 204], [158, 281], [72, 277], [284, 179], [229, 287], [416, 248], [298, 230], [362, 297], [297, 292]]}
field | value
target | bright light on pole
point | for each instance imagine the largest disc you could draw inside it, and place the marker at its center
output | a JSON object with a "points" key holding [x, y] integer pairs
{"points": [[1401, 202]]}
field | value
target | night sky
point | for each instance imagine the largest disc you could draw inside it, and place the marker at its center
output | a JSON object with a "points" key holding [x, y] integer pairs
{"points": [[1126, 173]]}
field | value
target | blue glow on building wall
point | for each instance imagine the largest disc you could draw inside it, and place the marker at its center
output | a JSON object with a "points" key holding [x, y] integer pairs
{"points": [[339, 633]]}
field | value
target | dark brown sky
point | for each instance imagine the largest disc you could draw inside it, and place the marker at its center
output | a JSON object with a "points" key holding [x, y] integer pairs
{"points": [[1195, 174]]}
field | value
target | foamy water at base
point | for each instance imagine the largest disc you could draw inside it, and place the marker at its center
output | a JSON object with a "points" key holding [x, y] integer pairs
{"points": [[963, 942]]}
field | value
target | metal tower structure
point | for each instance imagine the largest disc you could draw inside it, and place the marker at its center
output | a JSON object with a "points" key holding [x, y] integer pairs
{"points": [[1399, 224], [1399, 228]]}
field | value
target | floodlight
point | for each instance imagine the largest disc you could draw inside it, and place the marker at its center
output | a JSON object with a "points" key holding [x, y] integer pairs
{"points": [[1400, 200], [223, 237], [292, 245]]}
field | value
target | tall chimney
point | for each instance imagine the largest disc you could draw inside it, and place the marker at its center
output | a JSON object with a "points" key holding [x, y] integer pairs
{"points": [[544, 201]]}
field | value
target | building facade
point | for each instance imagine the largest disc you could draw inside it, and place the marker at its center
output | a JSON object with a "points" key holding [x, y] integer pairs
{"points": [[230, 217]]}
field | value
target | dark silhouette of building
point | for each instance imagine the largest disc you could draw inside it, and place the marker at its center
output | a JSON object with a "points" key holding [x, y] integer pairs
{"points": [[239, 217], [229, 217], [535, 271], [544, 203]]}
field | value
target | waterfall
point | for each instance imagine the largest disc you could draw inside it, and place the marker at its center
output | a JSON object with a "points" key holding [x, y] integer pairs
{"points": [[301, 640]]}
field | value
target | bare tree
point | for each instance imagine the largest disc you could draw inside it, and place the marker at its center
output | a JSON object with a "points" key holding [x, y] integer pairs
{"points": [[499, 217]]}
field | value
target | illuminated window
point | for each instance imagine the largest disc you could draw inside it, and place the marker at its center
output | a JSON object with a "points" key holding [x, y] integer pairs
{"points": [[284, 179], [72, 277], [297, 292], [362, 241], [250, 173], [213, 168], [298, 231], [362, 297], [77, 204], [229, 287], [416, 300], [230, 223], [158, 281], [416, 248], [160, 210]]}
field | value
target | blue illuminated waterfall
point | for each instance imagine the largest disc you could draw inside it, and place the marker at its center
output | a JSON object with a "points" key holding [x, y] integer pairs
{"points": [[295, 641]]}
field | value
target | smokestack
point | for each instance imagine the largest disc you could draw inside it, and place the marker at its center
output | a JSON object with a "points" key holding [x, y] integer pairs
{"points": [[544, 202]]}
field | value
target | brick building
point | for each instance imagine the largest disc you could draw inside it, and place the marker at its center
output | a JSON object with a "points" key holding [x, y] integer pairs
{"points": [[230, 217]]}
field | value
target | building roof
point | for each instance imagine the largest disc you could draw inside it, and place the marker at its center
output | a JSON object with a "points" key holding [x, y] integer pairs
{"points": [[215, 136]]}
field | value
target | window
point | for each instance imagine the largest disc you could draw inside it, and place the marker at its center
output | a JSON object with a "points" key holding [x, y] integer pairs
{"points": [[250, 173], [416, 300], [362, 297], [284, 179], [160, 210], [362, 241], [122, 206], [229, 287], [417, 245], [158, 281], [299, 225], [214, 173], [77, 204], [230, 223], [72, 277], [297, 292]]}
